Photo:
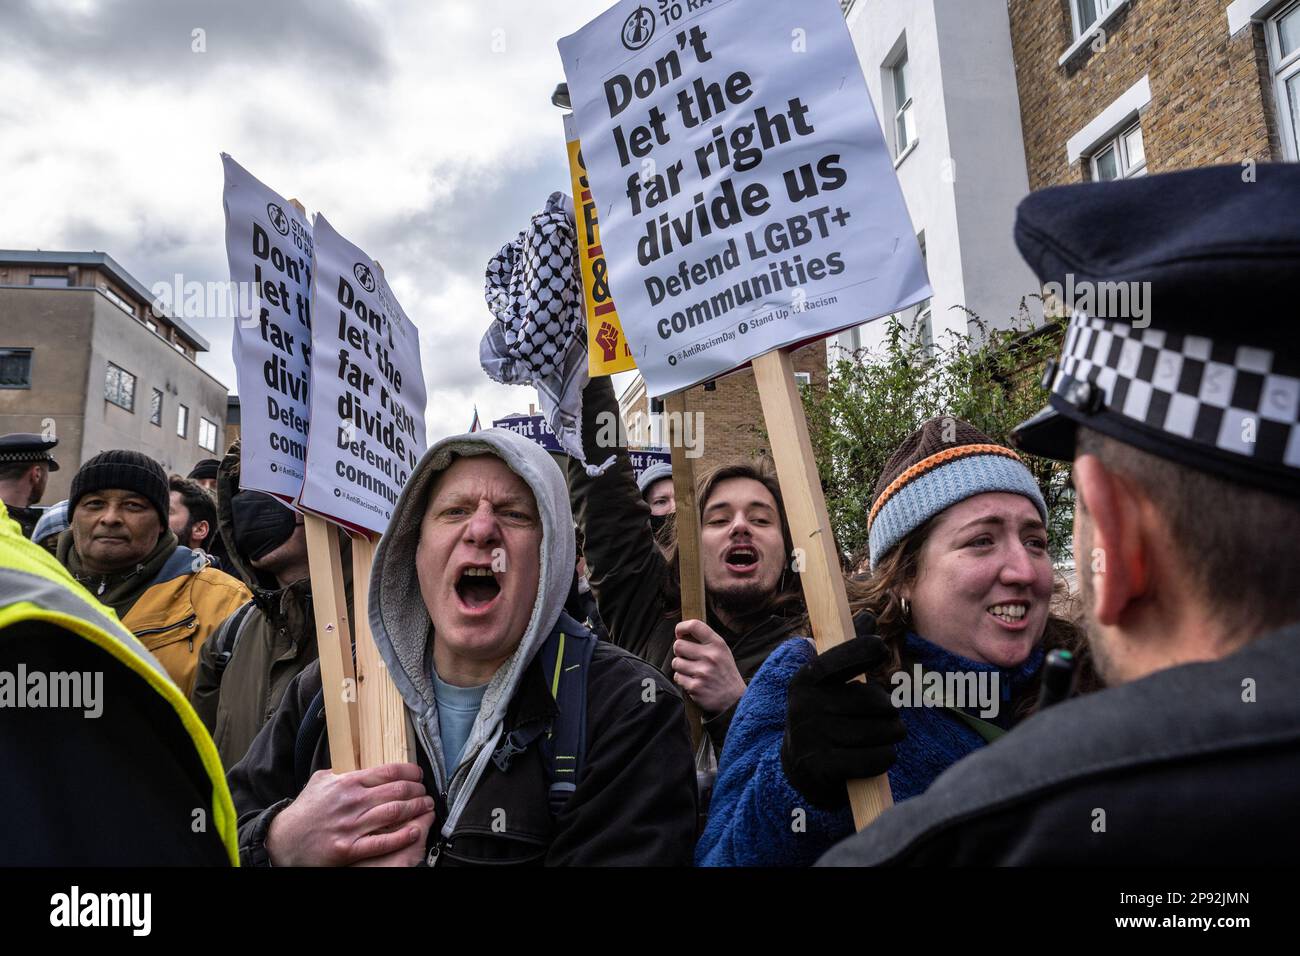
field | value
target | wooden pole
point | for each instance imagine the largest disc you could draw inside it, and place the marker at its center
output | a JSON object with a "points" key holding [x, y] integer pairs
{"points": [[334, 643], [385, 736], [810, 527], [687, 520]]}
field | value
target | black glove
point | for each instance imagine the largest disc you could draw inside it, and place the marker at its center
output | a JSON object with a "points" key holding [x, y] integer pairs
{"points": [[837, 731]]}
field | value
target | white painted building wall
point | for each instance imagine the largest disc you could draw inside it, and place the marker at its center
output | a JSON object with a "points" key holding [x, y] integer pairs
{"points": [[966, 172]]}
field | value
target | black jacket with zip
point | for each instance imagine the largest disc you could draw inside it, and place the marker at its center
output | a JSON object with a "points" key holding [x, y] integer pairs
{"points": [[635, 799], [1194, 764]]}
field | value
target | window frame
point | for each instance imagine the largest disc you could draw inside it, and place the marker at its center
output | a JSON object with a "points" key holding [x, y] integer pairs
{"points": [[118, 301], [210, 425], [182, 420], [16, 352], [902, 111], [156, 414], [1103, 7], [112, 399], [1119, 142], [1284, 69]]}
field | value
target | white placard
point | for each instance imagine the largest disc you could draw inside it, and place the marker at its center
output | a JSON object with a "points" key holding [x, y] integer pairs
{"points": [[269, 245], [368, 391], [747, 197]]}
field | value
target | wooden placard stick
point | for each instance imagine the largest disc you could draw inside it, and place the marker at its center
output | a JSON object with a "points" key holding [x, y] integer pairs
{"points": [[334, 643], [810, 527], [381, 711], [333, 633], [687, 520]]}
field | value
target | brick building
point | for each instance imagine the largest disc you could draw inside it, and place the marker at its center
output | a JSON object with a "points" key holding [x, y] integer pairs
{"points": [[731, 417], [1114, 88], [83, 355]]}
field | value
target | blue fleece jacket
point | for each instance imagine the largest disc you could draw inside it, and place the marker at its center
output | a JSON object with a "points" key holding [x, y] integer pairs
{"points": [[758, 818]]}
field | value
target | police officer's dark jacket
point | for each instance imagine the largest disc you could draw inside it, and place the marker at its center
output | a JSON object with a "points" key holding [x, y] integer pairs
{"points": [[1195, 764]]}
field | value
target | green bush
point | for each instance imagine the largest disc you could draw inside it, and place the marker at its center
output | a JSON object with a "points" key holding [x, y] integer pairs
{"points": [[874, 399]]}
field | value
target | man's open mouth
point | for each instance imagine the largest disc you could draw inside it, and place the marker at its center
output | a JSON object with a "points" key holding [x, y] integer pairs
{"points": [[477, 587], [741, 558]]}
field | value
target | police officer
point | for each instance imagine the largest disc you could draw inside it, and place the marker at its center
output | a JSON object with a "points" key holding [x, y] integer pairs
{"points": [[104, 762], [25, 466], [1182, 419]]}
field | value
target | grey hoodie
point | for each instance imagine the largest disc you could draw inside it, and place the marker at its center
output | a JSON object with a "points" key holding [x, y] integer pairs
{"points": [[400, 621]]}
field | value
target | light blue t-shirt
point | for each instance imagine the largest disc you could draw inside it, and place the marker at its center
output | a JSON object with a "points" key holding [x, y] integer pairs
{"points": [[457, 708]]}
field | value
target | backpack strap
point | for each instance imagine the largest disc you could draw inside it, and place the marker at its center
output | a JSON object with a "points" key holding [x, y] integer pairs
{"points": [[227, 637], [309, 734], [567, 664]]}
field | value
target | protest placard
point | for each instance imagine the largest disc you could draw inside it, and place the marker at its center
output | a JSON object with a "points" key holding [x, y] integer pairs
{"points": [[748, 204], [747, 197], [534, 428], [643, 458], [607, 348], [269, 245], [368, 391]]}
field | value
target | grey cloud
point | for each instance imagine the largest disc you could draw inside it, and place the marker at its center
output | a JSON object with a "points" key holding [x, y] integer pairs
{"points": [[459, 233], [152, 42]]}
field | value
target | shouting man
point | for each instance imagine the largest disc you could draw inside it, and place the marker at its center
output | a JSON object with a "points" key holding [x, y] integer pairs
{"points": [[498, 685]]}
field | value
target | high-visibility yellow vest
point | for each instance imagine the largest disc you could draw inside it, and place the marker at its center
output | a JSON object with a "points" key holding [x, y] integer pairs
{"points": [[35, 587]]}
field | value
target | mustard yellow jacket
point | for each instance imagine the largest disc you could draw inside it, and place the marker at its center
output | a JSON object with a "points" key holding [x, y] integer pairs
{"points": [[181, 609]]}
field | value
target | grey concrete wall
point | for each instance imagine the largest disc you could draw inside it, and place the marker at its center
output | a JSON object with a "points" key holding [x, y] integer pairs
{"points": [[155, 364], [56, 325]]}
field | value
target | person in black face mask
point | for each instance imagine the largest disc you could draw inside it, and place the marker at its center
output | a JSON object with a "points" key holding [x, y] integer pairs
{"points": [[245, 668]]}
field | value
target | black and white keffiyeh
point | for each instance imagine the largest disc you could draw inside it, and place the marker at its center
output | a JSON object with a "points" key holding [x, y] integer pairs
{"points": [[539, 337]]}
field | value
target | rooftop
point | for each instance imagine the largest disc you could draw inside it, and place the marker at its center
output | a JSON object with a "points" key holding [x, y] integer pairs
{"points": [[105, 262]]}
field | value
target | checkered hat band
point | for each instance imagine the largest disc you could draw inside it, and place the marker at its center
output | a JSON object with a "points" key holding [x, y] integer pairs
{"points": [[1234, 398], [939, 488], [35, 457]]}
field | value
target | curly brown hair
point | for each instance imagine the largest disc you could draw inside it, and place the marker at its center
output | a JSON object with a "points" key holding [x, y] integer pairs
{"points": [[878, 594]]}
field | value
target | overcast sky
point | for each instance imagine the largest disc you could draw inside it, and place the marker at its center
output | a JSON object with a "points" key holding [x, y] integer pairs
{"points": [[423, 130]]}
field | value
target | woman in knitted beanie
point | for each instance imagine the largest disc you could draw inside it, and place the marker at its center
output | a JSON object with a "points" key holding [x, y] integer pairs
{"points": [[953, 624]]}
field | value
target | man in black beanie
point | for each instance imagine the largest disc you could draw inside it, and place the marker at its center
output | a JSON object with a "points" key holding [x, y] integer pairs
{"points": [[205, 473], [119, 547]]}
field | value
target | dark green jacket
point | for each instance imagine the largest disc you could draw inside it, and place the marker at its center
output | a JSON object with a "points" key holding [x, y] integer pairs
{"points": [[278, 641], [627, 571]]}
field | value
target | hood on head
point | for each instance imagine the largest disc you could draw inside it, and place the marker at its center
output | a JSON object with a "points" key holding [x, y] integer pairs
{"points": [[399, 619]]}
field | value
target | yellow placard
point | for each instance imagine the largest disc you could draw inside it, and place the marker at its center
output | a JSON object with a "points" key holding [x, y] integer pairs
{"points": [[607, 348]]}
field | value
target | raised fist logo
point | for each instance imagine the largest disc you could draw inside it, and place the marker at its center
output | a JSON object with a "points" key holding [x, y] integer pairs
{"points": [[279, 221], [607, 339], [364, 276]]}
